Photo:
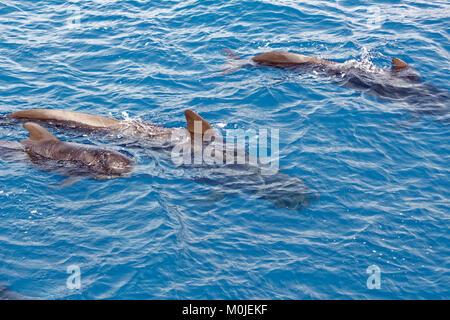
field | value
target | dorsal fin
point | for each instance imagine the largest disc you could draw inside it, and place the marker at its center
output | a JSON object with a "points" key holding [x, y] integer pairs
{"points": [[399, 64], [191, 117], [38, 133]]}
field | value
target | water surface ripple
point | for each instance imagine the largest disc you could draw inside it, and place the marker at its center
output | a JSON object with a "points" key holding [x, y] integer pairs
{"points": [[381, 168]]}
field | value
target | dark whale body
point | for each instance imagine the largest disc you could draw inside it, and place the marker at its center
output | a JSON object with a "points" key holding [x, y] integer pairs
{"points": [[83, 160], [401, 83]]}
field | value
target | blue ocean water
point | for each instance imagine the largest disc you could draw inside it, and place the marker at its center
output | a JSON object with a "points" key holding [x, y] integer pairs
{"points": [[381, 169]]}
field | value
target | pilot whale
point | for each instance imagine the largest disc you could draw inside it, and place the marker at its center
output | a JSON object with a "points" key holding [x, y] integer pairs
{"points": [[401, 82], [289, 60], [83, 121], [279, 188], [79, 159]]}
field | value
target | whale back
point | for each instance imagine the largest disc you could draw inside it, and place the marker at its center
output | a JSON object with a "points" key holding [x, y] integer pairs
{"points": [[82, 119], [277, 58], [288, 59]]}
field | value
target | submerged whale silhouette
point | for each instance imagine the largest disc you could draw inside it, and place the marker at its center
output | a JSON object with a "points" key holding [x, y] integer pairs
{"points": [[72, 158], [7, 294], [279, 188], [402, 82]]}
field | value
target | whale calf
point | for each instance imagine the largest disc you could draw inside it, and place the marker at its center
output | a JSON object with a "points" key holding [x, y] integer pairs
{"points": [[79, 159], [279, 188]]}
